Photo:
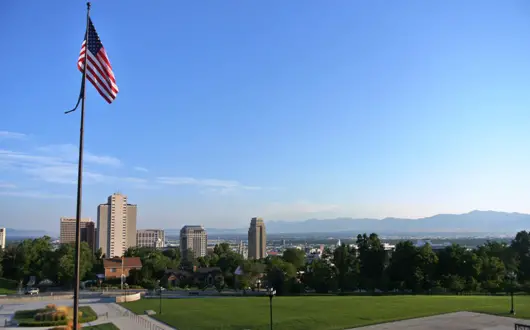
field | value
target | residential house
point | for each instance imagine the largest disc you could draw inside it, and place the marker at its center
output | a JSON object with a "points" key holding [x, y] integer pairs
{"points": [[197, 276], [115, 267]]}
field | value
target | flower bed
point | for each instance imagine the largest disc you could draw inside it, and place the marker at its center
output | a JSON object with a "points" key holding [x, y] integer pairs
{"points": [[52, 316]]}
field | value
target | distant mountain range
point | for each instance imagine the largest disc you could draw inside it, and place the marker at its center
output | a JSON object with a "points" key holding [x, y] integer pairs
{"points": [[21, 233], [472, 222]]}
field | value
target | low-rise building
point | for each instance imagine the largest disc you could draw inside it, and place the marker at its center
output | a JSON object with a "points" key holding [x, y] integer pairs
{"points": [[153, 238], [197, 276]]}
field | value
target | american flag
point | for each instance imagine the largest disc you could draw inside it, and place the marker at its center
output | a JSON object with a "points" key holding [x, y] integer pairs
{"points": [[99, 70]]}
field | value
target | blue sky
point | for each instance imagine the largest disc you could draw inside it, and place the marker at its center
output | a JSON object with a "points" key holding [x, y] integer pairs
{"points": [[282, 109]]}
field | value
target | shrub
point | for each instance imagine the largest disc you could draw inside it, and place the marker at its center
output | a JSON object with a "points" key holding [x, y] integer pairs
{"points": [[51, 306], [53, 318], [40, 323]]}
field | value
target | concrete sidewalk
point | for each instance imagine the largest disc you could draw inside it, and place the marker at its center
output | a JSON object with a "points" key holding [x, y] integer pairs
{"points": [[453, 321]]}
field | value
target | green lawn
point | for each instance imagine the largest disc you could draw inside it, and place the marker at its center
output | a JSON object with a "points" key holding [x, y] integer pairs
{"points": [[104, 326], [8, 286], [317, 312]]}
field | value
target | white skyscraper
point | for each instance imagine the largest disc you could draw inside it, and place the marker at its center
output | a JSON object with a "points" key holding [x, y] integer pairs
{"points": [[116, 226]]}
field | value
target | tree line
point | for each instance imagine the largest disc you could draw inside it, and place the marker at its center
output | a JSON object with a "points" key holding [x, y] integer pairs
{"points": [[365, 266]]}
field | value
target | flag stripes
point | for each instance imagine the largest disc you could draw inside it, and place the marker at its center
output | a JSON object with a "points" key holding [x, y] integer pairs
{"points": [[99, 71]]}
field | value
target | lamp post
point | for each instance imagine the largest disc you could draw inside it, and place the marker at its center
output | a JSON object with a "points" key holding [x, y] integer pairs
{"points": [[512, 277], [126, 286], [271, 292], [258, 282], [160, 293]]}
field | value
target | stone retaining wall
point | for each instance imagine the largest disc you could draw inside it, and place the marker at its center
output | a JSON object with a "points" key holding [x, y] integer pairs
{"points": [[128, 298]]}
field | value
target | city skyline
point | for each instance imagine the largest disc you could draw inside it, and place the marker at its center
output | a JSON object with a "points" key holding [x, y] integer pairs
{"points": [[393, 114]]}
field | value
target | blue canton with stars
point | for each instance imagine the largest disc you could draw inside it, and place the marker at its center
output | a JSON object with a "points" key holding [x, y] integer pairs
{"points": [[94, 44]]}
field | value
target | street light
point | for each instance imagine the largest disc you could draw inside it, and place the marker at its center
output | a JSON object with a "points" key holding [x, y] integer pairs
{"points": [[271, 292], [126, 286], [513, 278], [258, 282], [160, 293]]}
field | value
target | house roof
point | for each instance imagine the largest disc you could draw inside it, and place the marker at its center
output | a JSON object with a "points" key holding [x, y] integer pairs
{"points": [[129, 262], [206, 270]]}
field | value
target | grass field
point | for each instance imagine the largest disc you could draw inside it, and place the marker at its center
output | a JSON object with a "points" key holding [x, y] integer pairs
{"points": [[7, 286], [317, 313]]}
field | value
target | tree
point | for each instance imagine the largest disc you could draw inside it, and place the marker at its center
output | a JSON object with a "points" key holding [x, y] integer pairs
{"points": [[64, 258], [1, 258], [29, 258], [154, 265], [188, 260], [98, 262], [454, 283], [203, 261], [346, 267], [521, 248], [219, 283], [228, 261], [221, 249], [501, 251], [404, 270], [65, 267], [493, 269], [372, 260], [278, 274], [172, 253], [492, 274], [135, 277], [427, 260], [451, 260], [294, 256], [321, 277], [252, 269], [12, 261]]}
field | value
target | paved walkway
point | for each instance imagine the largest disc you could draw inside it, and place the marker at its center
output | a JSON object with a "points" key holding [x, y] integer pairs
{"points": [[107, 312], [453, 321]]}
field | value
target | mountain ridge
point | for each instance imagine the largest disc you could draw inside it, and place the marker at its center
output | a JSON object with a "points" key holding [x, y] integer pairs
{"points": [[473, 222]]}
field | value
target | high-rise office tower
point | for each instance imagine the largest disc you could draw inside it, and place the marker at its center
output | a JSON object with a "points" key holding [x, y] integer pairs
{"points": [[153, 238], [193, 238], [88, 231], [3, 238], [116, 226], [257, 239], [242, 250]]}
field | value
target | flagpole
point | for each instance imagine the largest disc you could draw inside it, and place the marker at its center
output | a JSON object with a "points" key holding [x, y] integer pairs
{"points": [[80, 180]]}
